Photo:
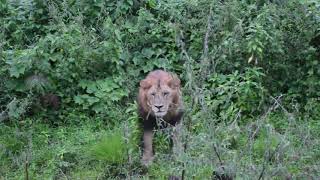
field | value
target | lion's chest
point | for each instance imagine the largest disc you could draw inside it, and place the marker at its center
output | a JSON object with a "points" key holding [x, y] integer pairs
{"points": [[151, 122]]}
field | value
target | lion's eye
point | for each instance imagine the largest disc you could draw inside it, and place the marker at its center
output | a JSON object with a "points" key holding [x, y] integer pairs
{"points": [[153, 94], [165, 93]]}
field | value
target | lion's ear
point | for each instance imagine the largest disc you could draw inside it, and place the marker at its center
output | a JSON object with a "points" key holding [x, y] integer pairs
{"points": [[145, 84], [174, 82]]}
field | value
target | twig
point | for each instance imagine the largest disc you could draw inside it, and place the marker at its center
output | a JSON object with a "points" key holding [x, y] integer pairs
{"points": [[126, 136], [190, 89], [266, 159], [190, 84], [276, 100], [205, 64], [253, 134], [219, 158], [63, 174], [4, 114], [28, 155], [271, 108], [26, 169]]}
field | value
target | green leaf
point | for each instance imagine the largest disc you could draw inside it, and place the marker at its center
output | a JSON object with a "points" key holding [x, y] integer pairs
{"points": [[148, 52]]}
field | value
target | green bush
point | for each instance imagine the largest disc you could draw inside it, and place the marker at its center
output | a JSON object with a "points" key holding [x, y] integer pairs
{"points": [[236, 93], [242, 64]]}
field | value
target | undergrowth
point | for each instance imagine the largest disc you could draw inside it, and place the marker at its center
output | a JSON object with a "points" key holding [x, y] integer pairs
{"points": [[70, 70]]}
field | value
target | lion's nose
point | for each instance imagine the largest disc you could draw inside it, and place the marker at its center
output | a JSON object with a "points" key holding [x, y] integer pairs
{"points": [[159, 106]]}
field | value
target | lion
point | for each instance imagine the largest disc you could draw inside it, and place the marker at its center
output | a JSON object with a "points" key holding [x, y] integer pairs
{"points": [[159, 100]]}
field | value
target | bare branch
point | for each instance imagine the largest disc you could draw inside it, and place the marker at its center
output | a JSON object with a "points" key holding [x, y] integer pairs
{"points": [[205, 62]]}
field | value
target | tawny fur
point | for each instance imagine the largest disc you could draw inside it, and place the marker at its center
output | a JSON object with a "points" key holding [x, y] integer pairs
{"points": [[176, 106], [152, 91]]}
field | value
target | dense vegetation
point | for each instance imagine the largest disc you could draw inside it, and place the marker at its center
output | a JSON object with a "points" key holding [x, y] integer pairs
{"points": [[70, 71]]}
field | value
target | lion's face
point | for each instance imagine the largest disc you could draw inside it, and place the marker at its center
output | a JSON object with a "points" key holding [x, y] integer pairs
{"points": [[159, 99], [160, 91]]}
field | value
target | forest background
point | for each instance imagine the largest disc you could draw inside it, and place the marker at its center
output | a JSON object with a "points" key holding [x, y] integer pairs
{"points": [[70, 71]]}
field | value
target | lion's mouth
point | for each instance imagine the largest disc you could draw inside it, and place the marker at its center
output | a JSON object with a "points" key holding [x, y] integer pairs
{"points": [[160, 113]]}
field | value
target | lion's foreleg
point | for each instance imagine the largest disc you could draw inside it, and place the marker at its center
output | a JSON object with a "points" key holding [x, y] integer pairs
{"points": [[147, 150]]}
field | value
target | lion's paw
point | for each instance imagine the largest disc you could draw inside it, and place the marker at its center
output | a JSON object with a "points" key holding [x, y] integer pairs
{"points": [[147, 159]]}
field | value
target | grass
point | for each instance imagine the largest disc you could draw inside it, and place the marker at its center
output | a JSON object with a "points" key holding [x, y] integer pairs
{"points": [[111, 148], [95, 152], [50, 151]]}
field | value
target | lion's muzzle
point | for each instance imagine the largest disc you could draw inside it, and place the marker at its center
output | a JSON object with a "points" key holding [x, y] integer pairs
{"points": [[159, 110]]}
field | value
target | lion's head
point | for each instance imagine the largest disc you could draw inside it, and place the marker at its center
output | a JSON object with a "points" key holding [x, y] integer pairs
{"points": [[159, 93]]}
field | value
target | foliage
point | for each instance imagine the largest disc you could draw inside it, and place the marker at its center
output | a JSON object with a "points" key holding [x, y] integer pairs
{"points": [[250, 73], [236, 93], [111, 148]]}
